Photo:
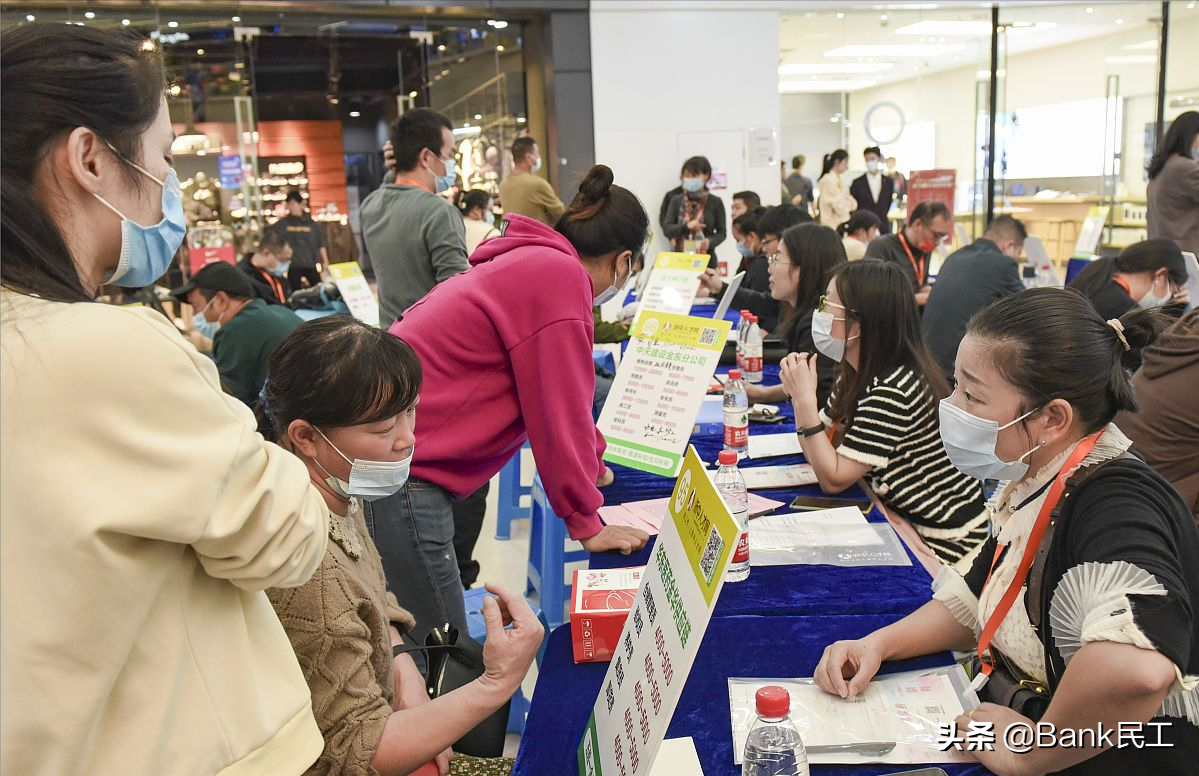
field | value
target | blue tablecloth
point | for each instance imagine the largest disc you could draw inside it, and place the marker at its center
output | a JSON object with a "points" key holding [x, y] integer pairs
{"points": [[732, 646]]}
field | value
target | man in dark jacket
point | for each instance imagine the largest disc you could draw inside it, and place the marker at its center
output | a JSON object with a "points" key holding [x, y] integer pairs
{"points": [[267, 268], [911, 247], [874, 190], [969, 280]]}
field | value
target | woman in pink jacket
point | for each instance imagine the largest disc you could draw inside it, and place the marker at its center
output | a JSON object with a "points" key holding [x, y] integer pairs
{"points": [[506, 351]]}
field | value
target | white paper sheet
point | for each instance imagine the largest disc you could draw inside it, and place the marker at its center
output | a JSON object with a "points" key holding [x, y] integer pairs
{"points": [[1192, 266], [727, 299], [839, 527], [771, 445], [677, 757], [765, 477], [649, 514], [905, 708]]}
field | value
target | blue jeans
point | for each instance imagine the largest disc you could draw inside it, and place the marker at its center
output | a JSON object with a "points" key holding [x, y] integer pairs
{"points": [[414, 532]]}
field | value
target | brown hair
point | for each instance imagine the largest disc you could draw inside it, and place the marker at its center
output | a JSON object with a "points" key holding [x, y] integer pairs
{"points": [[604, 217]]}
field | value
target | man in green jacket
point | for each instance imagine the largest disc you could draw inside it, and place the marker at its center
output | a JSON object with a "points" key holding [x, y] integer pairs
{"points": [[244, 330]]}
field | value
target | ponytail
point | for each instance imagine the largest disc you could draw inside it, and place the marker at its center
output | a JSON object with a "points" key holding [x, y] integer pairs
{"points": [[1145, 256], [603, 217], [832, 159]]}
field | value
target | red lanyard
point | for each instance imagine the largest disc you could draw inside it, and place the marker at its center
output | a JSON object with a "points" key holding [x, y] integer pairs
{"points": [[1123, 284], [918, 270], [1030, 552], [275, 285], [410, 182]]}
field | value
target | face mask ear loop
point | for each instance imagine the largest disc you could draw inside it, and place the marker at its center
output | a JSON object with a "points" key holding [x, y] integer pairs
{"points": [[335, 449]]}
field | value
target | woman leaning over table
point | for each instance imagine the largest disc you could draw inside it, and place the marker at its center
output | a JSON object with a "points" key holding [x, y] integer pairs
{"points": [[143, 516], [1102, 619], [883, 410]]}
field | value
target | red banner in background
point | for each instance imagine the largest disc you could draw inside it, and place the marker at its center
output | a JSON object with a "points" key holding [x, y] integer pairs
{"points": [[935, 185]]}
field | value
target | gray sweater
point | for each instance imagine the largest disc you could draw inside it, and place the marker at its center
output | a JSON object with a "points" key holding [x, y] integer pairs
{"points": [[1174, 203], [416, 240]]}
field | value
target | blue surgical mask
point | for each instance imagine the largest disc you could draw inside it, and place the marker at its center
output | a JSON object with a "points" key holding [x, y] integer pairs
{"points": [[444, 182], [537, 164], [369, 480], [147, 251], [280, 269], [969, 442], [693, 185], [203, 325], [490, 218], [745, 251]]}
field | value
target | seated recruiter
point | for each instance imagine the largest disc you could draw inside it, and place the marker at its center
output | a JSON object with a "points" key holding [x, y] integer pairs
{"points": [[244, 330], [693, 217], [477, 218], [911, 247], [267, 267], [859, 231], [754, 293], [1099, 631], [883, 411], [1165, 429], [524, 192], [749, 246], [873, 190], [971, 278], [799, 272], [1149, 274], [342, 396], [743, 202], [515, 365]]}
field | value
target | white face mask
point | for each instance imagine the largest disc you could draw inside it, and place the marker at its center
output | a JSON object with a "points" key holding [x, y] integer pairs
{"points": [[369, 480], [609, 293], [1151, 300], [872, 166], [822, 336], [970, 441]]}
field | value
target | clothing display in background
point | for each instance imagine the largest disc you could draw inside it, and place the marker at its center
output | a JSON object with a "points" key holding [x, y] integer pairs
{"points": [[200, 200], [480, 160], [340, 242]]}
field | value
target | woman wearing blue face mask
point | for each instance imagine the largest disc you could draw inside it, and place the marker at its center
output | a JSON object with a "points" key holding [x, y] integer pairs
{"points": [[343, 397], [1084, 602], [693, 218], [143, 515], [478, 218], [880, 422]]}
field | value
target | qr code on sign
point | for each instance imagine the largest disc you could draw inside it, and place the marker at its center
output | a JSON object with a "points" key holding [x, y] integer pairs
{"points": [[709, 336], [707, 564]]}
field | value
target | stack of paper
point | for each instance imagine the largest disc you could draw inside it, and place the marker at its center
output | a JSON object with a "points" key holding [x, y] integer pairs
{"points": [[764, 477], [771, 445], [840, 527], [648, 515]]}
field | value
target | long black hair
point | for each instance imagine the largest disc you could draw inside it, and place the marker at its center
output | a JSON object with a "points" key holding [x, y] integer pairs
{"points": [[832, 159], [1145, 256], [1178, 140], [337, 371], [604, 218], [860, 220], [55, 78], [878, 296], [814, 250], [1050, 343]]}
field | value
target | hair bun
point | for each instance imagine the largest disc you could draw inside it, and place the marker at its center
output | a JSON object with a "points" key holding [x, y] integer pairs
{"points": [[596, 183]]}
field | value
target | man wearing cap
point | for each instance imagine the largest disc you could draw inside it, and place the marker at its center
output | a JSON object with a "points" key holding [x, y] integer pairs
{"points": [[307, 241], [244, 330]]}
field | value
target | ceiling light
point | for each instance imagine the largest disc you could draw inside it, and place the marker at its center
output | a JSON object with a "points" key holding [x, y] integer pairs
{"points": [[412, 94], [840, 15], [175, 90], [499, 48], [1119, 21], [355, 114], [478, 116], [499, 25], [898, 50], [1090, 10], [834, 67], [147, 45], [126, 22], [172, 25], [445, 72], [236, 19], [521, 119], [793, 87], [30, 17], [89, 15], [441, 47], [200, 52]]}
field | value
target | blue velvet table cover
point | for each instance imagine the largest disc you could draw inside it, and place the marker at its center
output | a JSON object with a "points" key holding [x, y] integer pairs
{"points": [[742, 646]]}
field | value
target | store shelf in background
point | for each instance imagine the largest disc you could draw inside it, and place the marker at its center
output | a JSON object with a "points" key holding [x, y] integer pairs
{"points": [[320, 143]]}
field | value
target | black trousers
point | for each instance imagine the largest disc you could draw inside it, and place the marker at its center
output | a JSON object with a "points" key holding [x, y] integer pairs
{"points": [[468, 523]]}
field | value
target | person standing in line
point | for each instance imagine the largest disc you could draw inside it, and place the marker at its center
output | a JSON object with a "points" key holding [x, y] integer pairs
{"points": [[478, 218], [860, 230], [911, 248], [267, 268], [971, 278], [304, 235], [415, 238], [1173, 191], [694, 214], [799, 186], [525, 193], [874, 191], [835, 203], [143, 515]]}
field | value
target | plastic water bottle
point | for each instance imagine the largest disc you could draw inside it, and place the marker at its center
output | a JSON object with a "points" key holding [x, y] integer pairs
{"points": [[1045, 276], [742, 325], [731, 486], [773, 747], [753, 351], [736, 414]]}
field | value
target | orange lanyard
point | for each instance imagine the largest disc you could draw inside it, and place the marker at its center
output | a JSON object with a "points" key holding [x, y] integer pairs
{"points": [[1122, 283], [1030, 552], [918, 270], [275, 285], [832, 433], [410, 182]]}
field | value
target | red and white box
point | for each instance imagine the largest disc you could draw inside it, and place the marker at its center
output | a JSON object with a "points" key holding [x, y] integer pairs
{"points": [[600, 602]]}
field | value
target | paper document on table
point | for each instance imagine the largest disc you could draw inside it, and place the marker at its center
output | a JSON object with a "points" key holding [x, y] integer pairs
{"points": [[677, 757], [764, 477], [840, 527], [649, 514], [1192, 266], [729, 293], [906, 709], [771, 445]]}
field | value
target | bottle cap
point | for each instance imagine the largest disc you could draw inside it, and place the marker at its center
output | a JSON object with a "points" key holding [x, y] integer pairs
{"points": [[753, 319], [773, 701], [727, 458], [745, 313], [734, 374]]}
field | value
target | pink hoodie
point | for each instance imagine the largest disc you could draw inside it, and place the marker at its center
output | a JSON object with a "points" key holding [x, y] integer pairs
{"points": [[506, 350]]}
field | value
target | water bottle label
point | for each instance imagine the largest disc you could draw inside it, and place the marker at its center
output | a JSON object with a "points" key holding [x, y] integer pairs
{"points": [[742, 552], [736, 429], [753, 364]]}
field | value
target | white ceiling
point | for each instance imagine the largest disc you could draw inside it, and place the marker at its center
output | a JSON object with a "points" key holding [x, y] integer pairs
{"points": [[851, 45]]}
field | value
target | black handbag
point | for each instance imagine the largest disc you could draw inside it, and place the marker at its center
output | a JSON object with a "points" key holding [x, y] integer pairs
{"points": [[455, 660]]}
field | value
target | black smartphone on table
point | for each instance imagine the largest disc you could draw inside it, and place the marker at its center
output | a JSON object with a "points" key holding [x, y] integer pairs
{"points": [[812, 503]]}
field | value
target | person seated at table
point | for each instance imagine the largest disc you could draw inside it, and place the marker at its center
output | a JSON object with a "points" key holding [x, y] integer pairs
{"points": [[743, 202], [754, 293], [342, 396], [856, 233], [693, 214], [749, 246], [267, 267], [507, 355], [883, 410], [1106, 624], [799, 271], [1149, 274]]}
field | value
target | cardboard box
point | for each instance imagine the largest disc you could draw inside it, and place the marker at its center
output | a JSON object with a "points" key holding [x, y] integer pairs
{"points": [[600, 602]]}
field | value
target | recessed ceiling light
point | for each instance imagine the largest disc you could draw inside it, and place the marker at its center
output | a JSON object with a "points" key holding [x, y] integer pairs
{"points": [[236, 19], [840, 15], [441, 47], [355, 114], [792, 87], [200, 52], [898, 50], [412, 94], [478, 116], [499, 48], [172, 25], [30, 17], [89, 15], [834, 67], [1119, 21], [126, 22], [1090, 10]]}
